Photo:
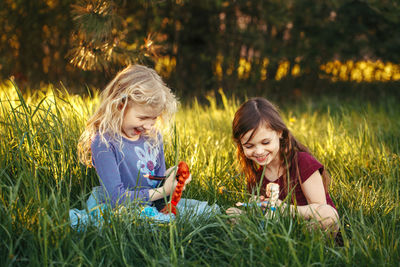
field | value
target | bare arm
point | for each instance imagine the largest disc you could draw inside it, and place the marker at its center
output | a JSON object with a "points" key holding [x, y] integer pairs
{"points": [[317, 208], [313, 190]]}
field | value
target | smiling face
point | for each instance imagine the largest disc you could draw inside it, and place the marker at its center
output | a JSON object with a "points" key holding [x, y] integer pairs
{"points": [[138, 119], [263, 146]]}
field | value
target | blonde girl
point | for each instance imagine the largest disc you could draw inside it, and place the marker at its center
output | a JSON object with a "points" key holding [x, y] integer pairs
{"points": [[120, 139], [122, 142], [264, 142]]}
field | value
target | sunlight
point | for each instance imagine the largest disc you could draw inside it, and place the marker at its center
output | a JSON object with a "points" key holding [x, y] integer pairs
{"points": [[244, 68], [165, 65], [356, 71], [362, 71]]}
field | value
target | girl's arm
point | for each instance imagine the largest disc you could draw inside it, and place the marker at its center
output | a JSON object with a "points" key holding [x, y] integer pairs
{"points": [[107, 168], [317, 208], [165, 190], [314, 191], [171, 182]]}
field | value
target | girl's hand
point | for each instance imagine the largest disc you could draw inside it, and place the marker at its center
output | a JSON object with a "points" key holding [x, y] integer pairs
{"points": [[282, 206], [257, 199], [233, 214], [278, 203], [170, 182], [234, 211]]}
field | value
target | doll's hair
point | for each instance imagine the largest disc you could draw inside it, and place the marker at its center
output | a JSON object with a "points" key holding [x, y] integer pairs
{"points": [[254, 113], [134, 85]]}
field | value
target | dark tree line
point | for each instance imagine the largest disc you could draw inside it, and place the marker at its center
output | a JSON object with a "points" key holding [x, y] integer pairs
{"points": [[86, 41]]}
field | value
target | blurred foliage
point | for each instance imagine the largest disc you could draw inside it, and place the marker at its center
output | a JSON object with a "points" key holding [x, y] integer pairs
{"points": [[199, 46]]}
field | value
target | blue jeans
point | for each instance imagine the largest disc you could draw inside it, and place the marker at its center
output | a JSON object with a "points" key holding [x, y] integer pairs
{"points": [[187, 208]]}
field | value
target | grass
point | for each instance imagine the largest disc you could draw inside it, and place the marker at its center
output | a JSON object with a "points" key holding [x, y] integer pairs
{"points": [[41, 179]]}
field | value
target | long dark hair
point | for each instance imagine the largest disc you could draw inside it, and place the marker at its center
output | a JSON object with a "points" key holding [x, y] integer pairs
{"points": [[249, 116]]}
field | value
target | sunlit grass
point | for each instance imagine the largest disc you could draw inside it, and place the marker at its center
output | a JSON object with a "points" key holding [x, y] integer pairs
{"points": [[41, 179]]}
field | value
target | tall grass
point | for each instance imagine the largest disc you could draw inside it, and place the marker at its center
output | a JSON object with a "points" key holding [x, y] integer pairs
{"points": [[41, 179]]}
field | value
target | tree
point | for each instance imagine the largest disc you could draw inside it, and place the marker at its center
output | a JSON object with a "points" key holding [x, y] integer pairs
{"points": [[228, 44]]}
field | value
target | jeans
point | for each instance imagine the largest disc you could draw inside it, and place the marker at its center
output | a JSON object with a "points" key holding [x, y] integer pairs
{"points": [[187, 208]]}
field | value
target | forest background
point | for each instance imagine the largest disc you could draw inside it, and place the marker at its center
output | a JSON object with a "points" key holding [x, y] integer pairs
{"points": [[284, 48]]}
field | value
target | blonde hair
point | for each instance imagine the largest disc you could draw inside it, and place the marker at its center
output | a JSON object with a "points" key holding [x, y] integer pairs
{"points": [[134, 85]]}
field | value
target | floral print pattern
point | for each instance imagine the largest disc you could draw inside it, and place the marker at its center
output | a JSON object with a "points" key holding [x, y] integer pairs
{"points": [[147, 161]]}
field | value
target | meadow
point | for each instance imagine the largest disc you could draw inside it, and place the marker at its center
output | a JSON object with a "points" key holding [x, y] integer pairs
{"points": [[41, 179]]}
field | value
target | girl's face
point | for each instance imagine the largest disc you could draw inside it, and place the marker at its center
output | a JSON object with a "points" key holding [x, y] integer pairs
{"points": [[263, 147], [138, 119]]}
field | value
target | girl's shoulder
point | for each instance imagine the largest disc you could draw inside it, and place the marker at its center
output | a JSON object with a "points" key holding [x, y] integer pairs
{"points": [[98, 138], [103, 141], [308, 164], [302, 155], [306, 158]]}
